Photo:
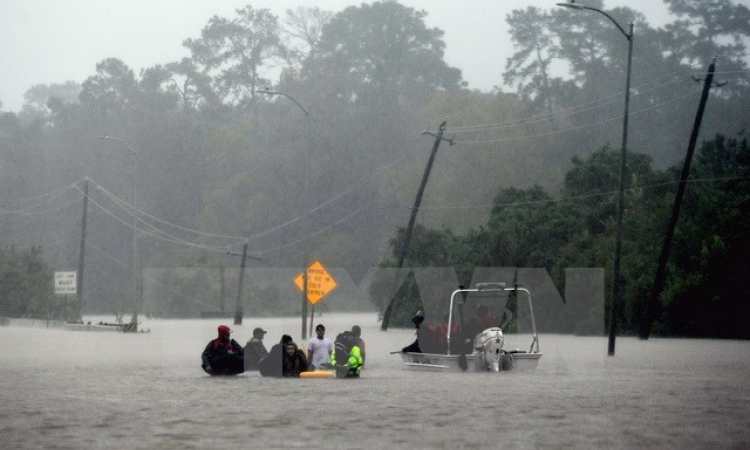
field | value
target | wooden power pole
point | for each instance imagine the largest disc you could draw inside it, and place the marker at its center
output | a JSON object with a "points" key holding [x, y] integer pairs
{"points": [[412, 219]]}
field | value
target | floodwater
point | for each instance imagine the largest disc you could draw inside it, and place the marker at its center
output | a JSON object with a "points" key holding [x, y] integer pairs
{"points": [[94, 390]]}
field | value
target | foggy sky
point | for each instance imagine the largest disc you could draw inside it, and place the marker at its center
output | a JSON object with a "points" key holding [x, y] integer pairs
{"points": [[46, 42]]}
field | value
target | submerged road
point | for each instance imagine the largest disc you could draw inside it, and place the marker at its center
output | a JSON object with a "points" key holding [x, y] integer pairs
{"points": [[77, 390]]}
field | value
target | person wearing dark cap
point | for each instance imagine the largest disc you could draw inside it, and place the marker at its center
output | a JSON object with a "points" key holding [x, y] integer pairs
{"points": [[223, 355], [255, 350]]}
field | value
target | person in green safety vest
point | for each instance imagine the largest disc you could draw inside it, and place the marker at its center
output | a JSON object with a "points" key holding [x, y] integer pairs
{"points": [[346, 356]]}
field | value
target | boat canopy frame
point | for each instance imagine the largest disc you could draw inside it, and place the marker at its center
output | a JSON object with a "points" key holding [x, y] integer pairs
{"points": [[494, 287]]}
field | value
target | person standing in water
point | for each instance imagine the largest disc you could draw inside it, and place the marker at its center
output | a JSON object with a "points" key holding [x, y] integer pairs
{"points": [[319, 349], [255, 350], [357, 332], [223, 355]]}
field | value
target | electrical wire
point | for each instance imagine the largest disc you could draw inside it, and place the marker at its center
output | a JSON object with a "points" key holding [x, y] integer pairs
{"points": [[156, 236], [318, 232], [582, 196], [4, 211], [141, 213], [579, 127], [572, 110], [52, 194], [566, 112]]}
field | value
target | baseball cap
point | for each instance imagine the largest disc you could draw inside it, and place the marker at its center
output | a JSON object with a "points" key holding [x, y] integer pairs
{"points": [[259, 331], [223, 329]]}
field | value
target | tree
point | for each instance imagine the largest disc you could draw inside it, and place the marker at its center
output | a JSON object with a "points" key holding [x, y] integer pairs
{"points": [[303, 29], [112, 89], [233, 51], [707, 285], [528, 68], [42, 98], [383, 55], [27, 285], [705, 29], [191, 84]]}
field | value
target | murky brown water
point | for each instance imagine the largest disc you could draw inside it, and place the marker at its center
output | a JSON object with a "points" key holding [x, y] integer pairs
{"points": [[79, 390]]}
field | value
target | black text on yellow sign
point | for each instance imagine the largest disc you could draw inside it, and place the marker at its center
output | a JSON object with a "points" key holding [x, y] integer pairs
{"points": [[319, 282]]}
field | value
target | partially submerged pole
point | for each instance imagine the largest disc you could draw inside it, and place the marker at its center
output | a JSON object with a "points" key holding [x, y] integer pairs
{"points": [[413, 217], [82, 251], [649, 312], [238, 307]]}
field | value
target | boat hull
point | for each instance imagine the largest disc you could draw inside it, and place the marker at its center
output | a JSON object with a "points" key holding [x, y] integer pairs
{"points": [[452, 363]]}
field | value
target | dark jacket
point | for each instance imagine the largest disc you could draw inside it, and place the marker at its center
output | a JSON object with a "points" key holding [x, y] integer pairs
{"points": [[254, 352], [217, 356], [425, 341], [293, 365], [270, 366]]}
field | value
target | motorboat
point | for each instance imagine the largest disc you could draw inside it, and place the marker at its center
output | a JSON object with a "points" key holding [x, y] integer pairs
{"points": [[486, 350]]}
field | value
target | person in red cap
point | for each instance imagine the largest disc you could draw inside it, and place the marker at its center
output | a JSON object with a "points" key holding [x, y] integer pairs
{"points": [[223, 355]]}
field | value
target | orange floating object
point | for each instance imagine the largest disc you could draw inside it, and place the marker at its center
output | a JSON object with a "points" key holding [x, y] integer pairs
{"points": [[317, 374]]}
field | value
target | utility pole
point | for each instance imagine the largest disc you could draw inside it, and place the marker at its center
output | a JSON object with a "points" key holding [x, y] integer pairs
{"points": [[614, 305], [305, 200], [238, 307], [649, 312], [412, 219], [238, 311], [82, 251]]}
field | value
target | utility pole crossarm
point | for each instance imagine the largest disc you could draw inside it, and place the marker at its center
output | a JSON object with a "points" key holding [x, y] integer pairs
{"points": [[439, 135]]}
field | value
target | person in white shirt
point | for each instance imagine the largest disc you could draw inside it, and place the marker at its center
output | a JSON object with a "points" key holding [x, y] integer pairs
{"points": [[319, 349]]}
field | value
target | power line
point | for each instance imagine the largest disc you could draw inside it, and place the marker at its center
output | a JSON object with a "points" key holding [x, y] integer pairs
{"points": [[572, 110], [582, 196], [52, 194], [142, 213], [579, 127], [26, 212], [157, 236], [322, 230]]}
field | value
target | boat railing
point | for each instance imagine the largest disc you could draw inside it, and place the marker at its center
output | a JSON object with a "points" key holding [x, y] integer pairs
{"points": [[494, 287]]}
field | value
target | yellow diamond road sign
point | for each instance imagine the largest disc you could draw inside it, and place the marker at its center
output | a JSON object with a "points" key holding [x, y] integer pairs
{"points": [[319, 282]]}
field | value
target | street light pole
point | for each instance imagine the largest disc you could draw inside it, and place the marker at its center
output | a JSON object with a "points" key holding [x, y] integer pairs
{"points": [[305, 201], [615, 302], [134, 319]]}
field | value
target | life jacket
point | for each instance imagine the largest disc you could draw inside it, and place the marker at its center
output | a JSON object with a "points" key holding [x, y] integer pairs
{"points": [[444, 329], [340, 353], [219, 342]]}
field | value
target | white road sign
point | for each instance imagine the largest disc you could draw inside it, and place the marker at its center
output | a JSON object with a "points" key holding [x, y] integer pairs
{"points": [[65, 283]]}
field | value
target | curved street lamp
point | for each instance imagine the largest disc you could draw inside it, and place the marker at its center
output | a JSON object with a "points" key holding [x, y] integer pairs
{"points": [[615, 302], [134, 319], [267, 91]]}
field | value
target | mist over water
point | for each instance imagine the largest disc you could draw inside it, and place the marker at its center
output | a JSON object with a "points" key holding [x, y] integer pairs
{"points": [[80, 390]]}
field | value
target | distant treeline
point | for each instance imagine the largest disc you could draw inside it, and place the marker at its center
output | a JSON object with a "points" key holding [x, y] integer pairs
{"points": [[26, 287], [707, 288], [302, 135]]}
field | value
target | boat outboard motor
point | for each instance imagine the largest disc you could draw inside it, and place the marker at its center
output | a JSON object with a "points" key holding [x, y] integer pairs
{"points": [[489, 346]]}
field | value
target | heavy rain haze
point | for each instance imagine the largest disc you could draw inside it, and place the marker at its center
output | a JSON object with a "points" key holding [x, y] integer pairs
{"points": [[52, 42], [300, 134], [178, 166]]}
